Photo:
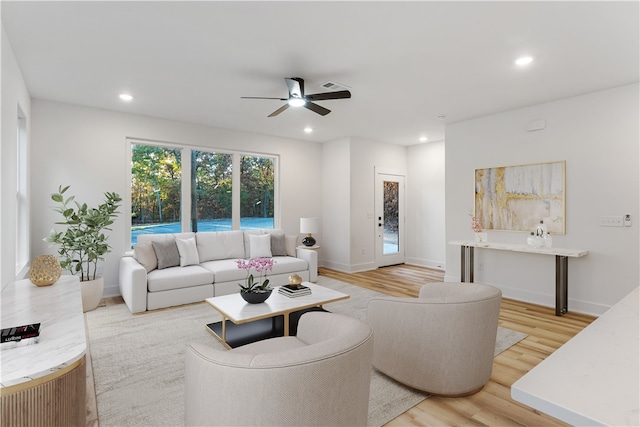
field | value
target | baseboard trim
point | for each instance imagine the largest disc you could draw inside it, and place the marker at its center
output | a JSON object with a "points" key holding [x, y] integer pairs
{"points": [[437, 265], [545, 300]]}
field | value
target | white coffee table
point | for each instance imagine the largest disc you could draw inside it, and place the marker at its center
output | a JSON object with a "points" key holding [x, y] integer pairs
{"points": [[243, 323]]}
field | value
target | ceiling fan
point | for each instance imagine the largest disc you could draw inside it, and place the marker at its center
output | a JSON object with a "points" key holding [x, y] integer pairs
{"points": [[297, 98]]}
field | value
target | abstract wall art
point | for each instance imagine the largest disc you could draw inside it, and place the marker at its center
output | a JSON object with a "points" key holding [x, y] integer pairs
{"points": [[517, 198]]}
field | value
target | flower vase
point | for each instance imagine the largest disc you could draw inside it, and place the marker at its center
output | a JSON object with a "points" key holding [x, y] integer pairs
{"points": [[481, 238]]}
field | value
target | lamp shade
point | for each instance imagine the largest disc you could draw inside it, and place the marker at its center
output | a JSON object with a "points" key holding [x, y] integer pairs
{"points": [[308, 225]]}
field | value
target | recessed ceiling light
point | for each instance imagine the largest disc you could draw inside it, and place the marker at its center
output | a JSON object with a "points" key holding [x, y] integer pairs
{"points": [[524, 60], [423, 139], [126, 97], [308, 130]]}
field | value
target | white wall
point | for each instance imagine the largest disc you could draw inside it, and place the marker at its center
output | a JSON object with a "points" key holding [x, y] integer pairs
{"points": [[336, 194], [597, 134], [366, 157], [87, 149], [349, 187], [14, 96], [425, 205]]}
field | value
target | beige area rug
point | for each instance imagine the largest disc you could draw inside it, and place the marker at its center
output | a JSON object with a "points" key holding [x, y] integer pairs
{"points": [[138, 361]]}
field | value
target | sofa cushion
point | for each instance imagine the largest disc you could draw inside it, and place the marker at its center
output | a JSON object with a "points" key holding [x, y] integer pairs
{"points": [[146, 238], [287, 264], [167, 253], [291, 241], [225, 270], [188, 252], [278, 243], [146, 256], [178, 277], [260, 246], [215, 245]]}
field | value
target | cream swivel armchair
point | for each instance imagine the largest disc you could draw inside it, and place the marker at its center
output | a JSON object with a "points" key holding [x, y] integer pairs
{"points": [[441, 342], [319, 377]]}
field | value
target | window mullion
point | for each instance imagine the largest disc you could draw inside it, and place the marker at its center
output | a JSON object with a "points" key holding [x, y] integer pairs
{"points": [[235, 192], [185, 209]]}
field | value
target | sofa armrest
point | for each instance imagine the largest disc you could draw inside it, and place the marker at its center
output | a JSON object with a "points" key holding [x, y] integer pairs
{"points": [[311, 257], [133, 284]]}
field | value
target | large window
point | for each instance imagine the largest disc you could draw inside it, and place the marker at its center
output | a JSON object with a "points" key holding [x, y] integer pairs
{"points": [[181, 189], [211, 191], [156, 180], [256, 192]]}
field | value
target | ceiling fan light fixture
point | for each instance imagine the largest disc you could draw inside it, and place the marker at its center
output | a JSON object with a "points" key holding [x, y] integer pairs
{"points": [[525, 60], [296, 102]]}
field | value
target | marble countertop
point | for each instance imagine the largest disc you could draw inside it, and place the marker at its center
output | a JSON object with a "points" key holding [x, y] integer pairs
{"points": [[522, 248], [58, 309], [593, 378], [239, 311]]}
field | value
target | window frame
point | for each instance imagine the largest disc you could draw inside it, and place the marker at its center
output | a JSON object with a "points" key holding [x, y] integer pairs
{"points": [[185, 202]]}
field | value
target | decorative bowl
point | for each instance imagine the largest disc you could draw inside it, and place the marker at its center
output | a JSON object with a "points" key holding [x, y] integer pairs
{"points": [[256, 297]]}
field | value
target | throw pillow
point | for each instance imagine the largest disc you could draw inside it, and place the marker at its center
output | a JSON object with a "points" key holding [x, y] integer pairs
{"points": [[167, 253], [146, 256], [278, 244], [291, 242], [260, 246], [188, 252]]}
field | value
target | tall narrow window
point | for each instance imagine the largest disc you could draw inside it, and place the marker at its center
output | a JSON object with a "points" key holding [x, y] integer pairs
{"points": [[156, 182], [256, 192], [211, 183], [22, 208]]}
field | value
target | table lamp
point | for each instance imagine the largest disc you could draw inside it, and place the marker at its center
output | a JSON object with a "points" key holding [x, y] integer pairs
{"points": [[308, 226]]}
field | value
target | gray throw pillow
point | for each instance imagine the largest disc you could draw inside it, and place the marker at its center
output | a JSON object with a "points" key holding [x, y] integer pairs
{"points": [[278, 244], [167, 254]]}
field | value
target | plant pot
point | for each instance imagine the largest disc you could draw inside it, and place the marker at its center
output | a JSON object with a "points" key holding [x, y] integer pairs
{"points": [[91, 291], [255, 297]]}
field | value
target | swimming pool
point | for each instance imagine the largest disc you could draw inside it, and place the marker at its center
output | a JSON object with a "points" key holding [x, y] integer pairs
{"points": [[213, 225]]}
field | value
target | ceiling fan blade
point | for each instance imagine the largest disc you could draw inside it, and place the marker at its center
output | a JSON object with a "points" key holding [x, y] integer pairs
{"points": [[316, 108], [296, 87], [341, 94], [279, 110], [262, 97]]}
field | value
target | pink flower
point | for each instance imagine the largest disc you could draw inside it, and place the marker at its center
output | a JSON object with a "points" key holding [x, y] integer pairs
{"points": [[260, 265], [475, 224]]}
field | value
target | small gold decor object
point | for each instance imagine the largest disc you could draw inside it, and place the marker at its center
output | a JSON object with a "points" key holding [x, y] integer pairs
{"points": [[295, 280], [45, 270]]}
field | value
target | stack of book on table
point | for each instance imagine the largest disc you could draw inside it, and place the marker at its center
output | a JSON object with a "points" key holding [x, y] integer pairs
{"points": [[292, 291]]}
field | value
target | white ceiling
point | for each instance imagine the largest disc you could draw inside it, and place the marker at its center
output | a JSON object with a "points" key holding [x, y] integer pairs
{"points": [[405, 62]]}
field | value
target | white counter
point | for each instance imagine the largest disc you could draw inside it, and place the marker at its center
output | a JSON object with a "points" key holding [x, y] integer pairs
{"points": [[594, 378], [58, 308]]}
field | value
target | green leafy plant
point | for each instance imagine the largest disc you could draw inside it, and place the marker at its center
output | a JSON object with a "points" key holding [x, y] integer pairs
{"points": [[83, 243]]}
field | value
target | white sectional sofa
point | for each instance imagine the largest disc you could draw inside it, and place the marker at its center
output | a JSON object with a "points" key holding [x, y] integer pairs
{"points": [[151, 276]]}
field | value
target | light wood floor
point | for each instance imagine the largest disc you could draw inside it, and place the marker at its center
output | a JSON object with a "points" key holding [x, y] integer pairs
{"points": [[492, 406]]}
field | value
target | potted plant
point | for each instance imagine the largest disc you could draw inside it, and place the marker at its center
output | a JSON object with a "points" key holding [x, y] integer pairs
{"points": [[252, 291], [83, 243]]}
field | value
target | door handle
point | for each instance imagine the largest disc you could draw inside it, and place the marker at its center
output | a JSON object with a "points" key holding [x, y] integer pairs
{"points": [[379, 225]]}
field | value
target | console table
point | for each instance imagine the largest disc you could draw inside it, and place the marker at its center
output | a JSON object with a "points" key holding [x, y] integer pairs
{"points": [[562, 257], [44, 383]]}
